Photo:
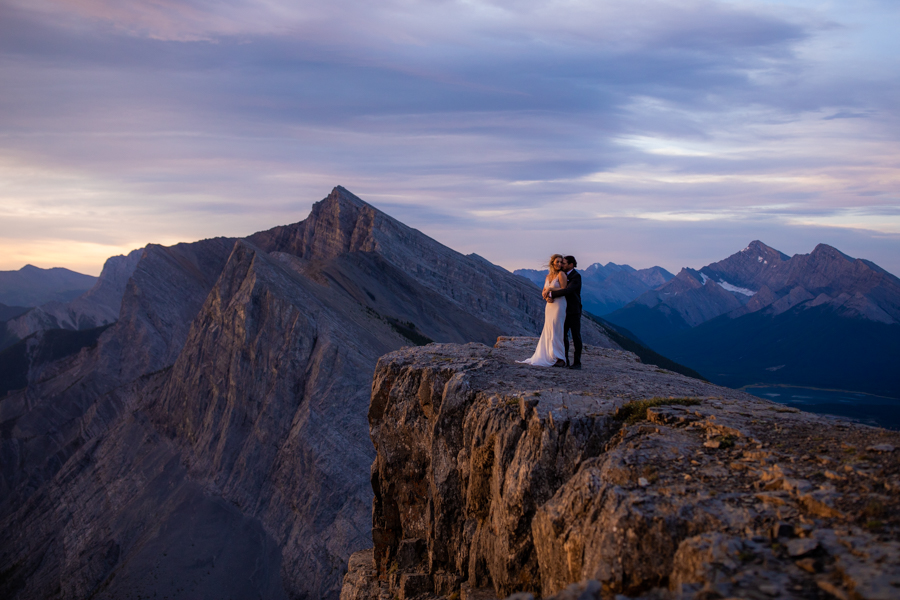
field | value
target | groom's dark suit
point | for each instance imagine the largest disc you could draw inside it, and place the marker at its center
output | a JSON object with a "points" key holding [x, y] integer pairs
{"points": [[573, 313]]}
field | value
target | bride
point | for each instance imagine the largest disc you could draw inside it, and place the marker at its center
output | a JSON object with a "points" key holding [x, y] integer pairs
{"points": [[550, 351]]}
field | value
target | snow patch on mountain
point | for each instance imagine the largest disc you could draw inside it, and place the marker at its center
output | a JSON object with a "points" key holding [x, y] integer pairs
{"points": [[736, 289]]}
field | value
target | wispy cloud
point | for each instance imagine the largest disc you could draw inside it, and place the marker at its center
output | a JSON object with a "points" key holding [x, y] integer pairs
{"points": [[123, 123]]}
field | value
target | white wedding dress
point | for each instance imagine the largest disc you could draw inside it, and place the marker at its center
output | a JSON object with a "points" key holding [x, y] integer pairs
{"points": [[550, 347]]}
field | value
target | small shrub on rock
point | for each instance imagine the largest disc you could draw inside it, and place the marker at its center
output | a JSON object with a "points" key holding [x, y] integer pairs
{"points": [[636, 410]]}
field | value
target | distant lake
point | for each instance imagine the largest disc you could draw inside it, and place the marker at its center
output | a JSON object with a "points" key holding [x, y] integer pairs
{"points": [[863, 408]]}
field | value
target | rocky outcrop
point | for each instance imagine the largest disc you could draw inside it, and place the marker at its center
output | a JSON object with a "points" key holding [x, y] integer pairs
{"points": [[215, 438], [496, 479], [381, 250]]}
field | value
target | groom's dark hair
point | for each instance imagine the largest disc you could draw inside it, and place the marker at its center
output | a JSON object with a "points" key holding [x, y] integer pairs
{"points": [[571, 260]]}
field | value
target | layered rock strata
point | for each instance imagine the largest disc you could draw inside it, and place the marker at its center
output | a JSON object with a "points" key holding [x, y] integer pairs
{"points": [[213, 442], [496, 479]]}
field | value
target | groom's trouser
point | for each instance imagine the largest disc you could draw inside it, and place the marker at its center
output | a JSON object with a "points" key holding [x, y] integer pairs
{"points": [[573, 324]]}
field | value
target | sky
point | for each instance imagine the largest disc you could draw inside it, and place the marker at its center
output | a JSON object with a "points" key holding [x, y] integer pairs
{"points": [[646, 132]]}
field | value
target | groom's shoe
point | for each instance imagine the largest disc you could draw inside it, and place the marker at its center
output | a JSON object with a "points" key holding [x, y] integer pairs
{"points": [[576, 366], [560, 363]]}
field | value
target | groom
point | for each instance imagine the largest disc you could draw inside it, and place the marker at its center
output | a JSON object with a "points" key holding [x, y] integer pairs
{"points": [[573, 309]]}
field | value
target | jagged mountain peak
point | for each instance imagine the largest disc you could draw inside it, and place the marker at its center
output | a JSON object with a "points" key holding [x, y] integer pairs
{"points": [[342, 210], [601, 270], [342, 224], [756, 252], [826, 252], [764, 249], [748, 269], [248, 361], [343, 196], [339, 223], [687, 274]]}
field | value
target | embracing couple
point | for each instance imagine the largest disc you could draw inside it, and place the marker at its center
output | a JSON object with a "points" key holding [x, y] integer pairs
{"points": [[562, 291]]}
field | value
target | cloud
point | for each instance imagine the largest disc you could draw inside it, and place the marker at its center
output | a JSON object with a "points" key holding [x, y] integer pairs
{"points": [[846, 114], [130, 122]]}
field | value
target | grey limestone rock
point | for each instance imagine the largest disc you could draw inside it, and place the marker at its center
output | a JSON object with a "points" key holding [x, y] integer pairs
{"points": [[374, 249], [214, 441], [525, 481]]}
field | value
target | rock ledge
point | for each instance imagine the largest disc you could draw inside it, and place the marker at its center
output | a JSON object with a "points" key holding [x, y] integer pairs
{"points": [[494, 479]]}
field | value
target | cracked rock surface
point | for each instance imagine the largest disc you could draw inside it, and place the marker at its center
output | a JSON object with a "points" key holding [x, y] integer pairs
{"points": [[213, 442], [494, 479]]}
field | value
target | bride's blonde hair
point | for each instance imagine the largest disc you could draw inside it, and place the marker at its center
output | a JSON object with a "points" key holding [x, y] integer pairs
{"points": [[551, 267]]}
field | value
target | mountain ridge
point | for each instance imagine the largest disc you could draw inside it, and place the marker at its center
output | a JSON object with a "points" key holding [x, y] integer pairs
{"points": [[96, 307], [492, 480], [228, 401], [704, 315], [32, 286], [606, 288]]}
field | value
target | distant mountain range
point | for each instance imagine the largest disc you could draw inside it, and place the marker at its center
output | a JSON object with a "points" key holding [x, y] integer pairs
{"points": [[96, 307], [822, 319], [213, 440], [205, 403], [608, 287], [33, 286]]}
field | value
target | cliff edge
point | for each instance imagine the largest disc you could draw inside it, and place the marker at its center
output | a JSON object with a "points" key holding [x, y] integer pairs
{"points": [[496, 479]]}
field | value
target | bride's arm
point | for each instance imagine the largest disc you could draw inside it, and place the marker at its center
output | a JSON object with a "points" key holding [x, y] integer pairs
{"points": [[563, 280], [567, 290]]}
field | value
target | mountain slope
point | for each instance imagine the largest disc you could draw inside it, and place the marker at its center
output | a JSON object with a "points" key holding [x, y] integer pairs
{"points": [[685, 301], [344, 225], [11, 312], [215, 440], [821, 319], [33, 286], [97, 307], [8, 338], [627, 341], [606, 288], [808, 347]]}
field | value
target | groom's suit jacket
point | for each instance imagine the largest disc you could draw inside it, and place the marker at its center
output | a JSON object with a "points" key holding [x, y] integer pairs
{"points": [[572, 292]]}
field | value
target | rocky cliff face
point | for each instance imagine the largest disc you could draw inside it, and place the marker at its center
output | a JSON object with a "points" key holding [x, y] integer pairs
{"points": [[494, 479], [691, 298], [345, 230], [213, 443]]}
